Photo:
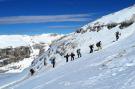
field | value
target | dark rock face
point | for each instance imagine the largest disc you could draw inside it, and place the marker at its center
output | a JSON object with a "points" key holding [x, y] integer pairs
{"points": [[40, 46], [9, 55], [126, 24]]}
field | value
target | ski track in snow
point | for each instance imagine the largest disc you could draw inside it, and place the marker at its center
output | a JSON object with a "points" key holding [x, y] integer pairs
{"points": [[16, 82]]}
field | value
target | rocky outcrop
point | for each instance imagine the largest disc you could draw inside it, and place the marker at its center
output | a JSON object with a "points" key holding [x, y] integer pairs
{"points": [[9, 55]]}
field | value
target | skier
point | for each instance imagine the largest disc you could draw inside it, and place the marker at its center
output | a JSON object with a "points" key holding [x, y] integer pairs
{"points": [[91, 48], [32, 71], [99, 45], [117, 34], [45, 62], [79, 53], [67, 56], [53, 61], [72, 56]]}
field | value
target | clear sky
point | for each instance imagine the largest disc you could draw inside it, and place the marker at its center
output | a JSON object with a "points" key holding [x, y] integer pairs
{"points": [[53, 16]]}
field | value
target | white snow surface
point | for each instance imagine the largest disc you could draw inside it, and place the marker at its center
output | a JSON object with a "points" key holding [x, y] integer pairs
{"points": [[25, 40], [116, 17], [112, 67]]}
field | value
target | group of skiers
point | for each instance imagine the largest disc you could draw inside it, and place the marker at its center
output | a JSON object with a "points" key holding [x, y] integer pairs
{"points": [[98, 44], [78, 52]]}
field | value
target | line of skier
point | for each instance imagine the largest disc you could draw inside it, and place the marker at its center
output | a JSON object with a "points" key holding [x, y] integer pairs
{"points": [[78, 52], [73, 55]]}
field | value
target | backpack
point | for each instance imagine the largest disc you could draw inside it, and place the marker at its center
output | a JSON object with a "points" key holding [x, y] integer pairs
{"points": [[97, 44], [78, 50]]}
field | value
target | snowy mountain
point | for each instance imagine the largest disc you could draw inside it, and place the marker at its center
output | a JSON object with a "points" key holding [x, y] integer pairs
{"points": [[112, 67], [25, 40], [14, 41]]}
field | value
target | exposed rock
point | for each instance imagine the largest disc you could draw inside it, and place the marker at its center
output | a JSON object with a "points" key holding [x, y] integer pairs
{"points": [[9, 55]]}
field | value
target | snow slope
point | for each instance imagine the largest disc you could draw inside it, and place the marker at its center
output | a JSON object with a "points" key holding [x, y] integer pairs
{"points": [[115, 17], [112, 67]]}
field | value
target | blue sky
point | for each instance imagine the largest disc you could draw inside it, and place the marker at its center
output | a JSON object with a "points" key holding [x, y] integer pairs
{"points": [[53, 16]]}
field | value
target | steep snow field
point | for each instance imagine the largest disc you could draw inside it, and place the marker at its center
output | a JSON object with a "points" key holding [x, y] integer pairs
{"points": [[112, 67], [116, 17]]}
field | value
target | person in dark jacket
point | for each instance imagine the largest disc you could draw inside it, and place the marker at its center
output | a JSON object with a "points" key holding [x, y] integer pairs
{"points": [[45, 63], [117, 34], [53, 61], [32, 71], [67, 56], [79, 53], [99, 45], [72, 56], [91, 48]]}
